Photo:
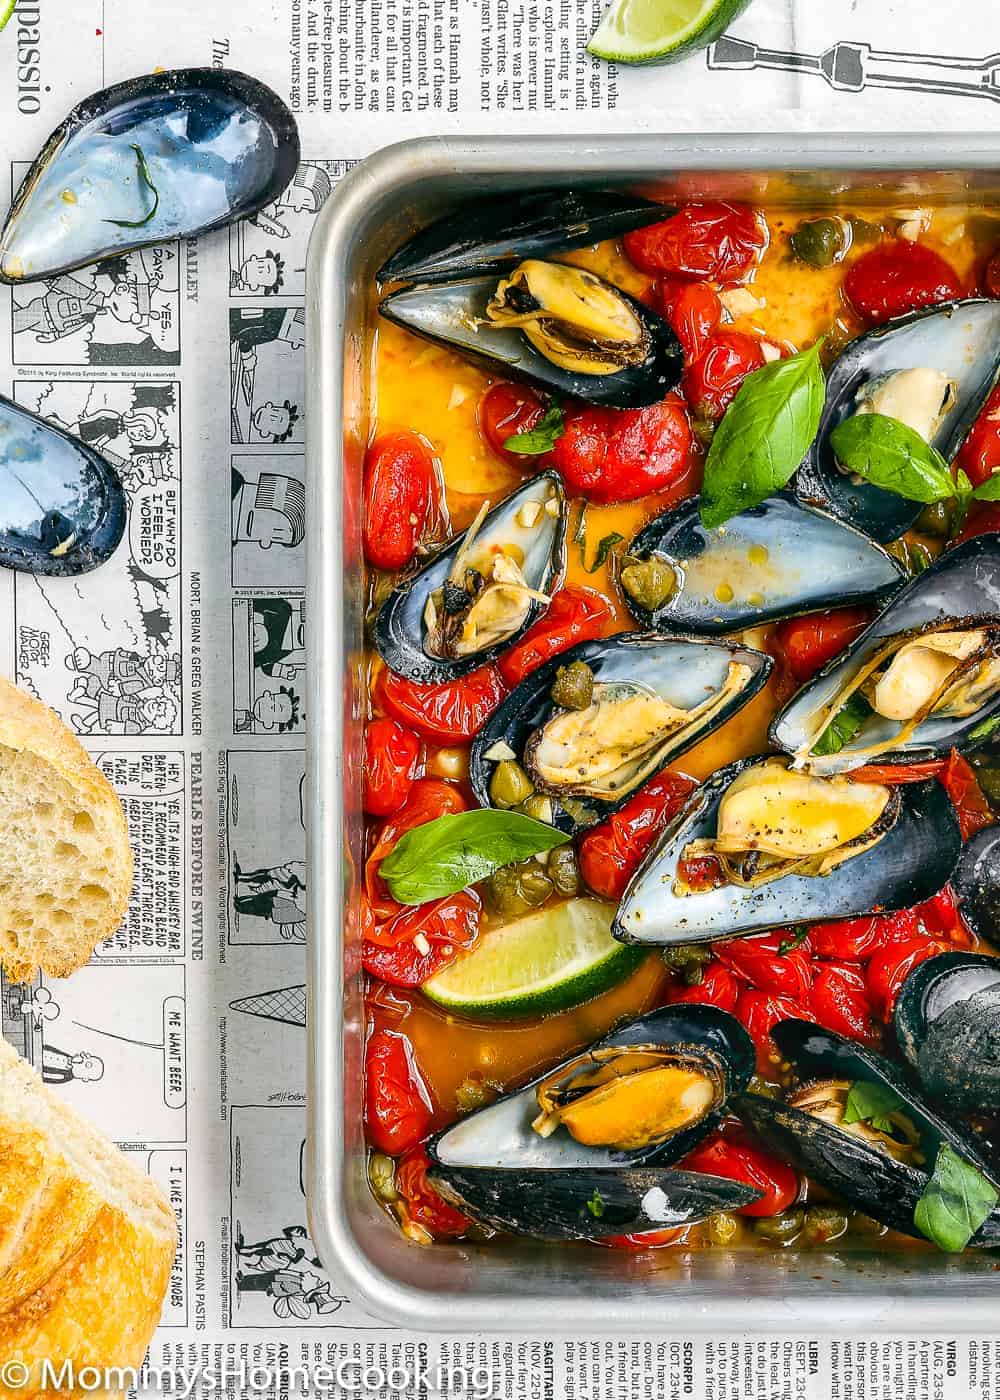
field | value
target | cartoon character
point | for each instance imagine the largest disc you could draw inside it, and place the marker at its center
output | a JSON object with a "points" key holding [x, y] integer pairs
{"points": [[308, 192], [272, 709], [280, 1252], [274, 894], [273, 422], [59, 1067], [277, 636], [272, 512], [259, 272], [67, 304], [295, 1292]]}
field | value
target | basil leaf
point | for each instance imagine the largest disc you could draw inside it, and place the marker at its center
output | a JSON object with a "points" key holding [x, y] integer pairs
{"points": [[604, 549], [542, 437], [843, 727], [871, 1103], [145, 177], [448, 853], [891, 455], [954, 1203], [763, 436], [988, 490], [596, 1205], [988, 727], [799, 936]]}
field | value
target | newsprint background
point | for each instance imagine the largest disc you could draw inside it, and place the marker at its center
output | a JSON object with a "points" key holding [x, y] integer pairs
{"points": [[192, 1016]]}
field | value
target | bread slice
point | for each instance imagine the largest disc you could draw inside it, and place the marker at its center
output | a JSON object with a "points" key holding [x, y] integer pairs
{"points": [[86, 1239], [65, 859]]}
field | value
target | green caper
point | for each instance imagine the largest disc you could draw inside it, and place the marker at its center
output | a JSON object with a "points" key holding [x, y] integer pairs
{"points": [[382, 1176], [764, 1087], [989, 780], [582, 815], [722, 1228], [474, 1092], [687, 959], [514, 889], [823, 1224], [914, 556], [935, 520], [703, 428], [821, 242], [510, 784], [779, 1229], [538, 806], [862, 230], [563, 870], [861, 1224], [649, 582], [573, 687]]}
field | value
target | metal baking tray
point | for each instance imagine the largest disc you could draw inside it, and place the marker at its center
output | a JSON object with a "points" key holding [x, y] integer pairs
{"points": [[528, 1287]]}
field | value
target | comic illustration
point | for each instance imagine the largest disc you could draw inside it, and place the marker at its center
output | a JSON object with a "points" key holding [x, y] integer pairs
{"points": [[168, 1168], [269, 521], [267, 374], [287, 1005], [269, 663], [266, 861], [105, 670], [267, 253], [112, 1038]]}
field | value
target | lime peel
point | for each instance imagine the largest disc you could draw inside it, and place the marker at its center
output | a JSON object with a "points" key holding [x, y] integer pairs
{"points": [[660, 31]]}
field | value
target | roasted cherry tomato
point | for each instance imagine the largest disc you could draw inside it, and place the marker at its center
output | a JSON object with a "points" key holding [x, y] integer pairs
{"points": [[693, 309], [839, 1001], [647, 1239], [759, 1013], [574, 615], [611, 852], [718, 987], [983, 519], [898, 277], [392, 753], [397, 1103], [991, 275], [979, 456], [733, 1154], [711, 382], [506, 409], [806, 644], [889, 969], [423, 1204], [714, 240], [970, 803], [449, 713], [760, 962], [620, 454], [418, 942], [856, 940], [401, 490]]}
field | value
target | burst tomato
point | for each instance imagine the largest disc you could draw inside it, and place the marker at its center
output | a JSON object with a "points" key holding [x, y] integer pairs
{"points": [[962, 786], [758, 960], [806, 644], [759, 1013], [839, 1001], [450, 713], [423, 1204], [416, 943], [401, 494], [983, 519], [991, 275], [397, 1102], [855, 940], [733, 1154], [611, 852], [574, 615], [392, 753], [979, 456], [718, 987], [889, 969], [711, 382], [693, 309], [898, 277], [506, 409], [620, 454], [715, 240], [647, 1239]]}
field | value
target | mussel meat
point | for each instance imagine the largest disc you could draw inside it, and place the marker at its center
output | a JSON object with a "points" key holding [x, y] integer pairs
{"points": [[947, 1023]]}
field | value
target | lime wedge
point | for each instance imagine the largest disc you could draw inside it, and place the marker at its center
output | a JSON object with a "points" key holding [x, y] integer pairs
{"points": [[660, 31], [7, 8], [546, 961]]}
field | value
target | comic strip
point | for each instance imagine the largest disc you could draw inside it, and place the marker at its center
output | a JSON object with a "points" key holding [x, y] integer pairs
{"points": [[267, 374], [266, 872], [286, 1005], [112, 670], [269, 521], [267, 253], [113, 1040], [168, 1168], [269, 663]]}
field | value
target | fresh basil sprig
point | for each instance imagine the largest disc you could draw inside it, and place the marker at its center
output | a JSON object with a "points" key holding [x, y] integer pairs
{"points": [[542, 437], [871, 1103], [955, 1202], [763, 436], [605, 547], [843, 727], [146, 179], [450, 852]]}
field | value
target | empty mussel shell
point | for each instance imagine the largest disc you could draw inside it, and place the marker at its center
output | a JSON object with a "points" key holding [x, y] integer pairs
{"points": [[947, 1022], [63, 508], [650, 699], [962, 342], [488, 235], [911, 860], [481, 592], [948, 620], [167, 155], [976, 882], [777, 560]]}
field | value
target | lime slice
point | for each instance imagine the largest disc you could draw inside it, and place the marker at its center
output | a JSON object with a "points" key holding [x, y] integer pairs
{"points": [[7, 8], [546, 961], [660, 31]]}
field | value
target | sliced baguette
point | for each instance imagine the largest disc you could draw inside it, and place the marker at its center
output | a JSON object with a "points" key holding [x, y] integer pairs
{"points": [[86, 1239], [65, 859]]}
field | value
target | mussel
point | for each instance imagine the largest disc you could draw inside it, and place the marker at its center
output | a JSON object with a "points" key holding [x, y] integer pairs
{"points": [[933, 370], [598, 721], [760, 846], [976, 881], [923, 679], [482, 591], [947, 1023], [584, 1150], [776, 560], [63, 506], [167, 155]]}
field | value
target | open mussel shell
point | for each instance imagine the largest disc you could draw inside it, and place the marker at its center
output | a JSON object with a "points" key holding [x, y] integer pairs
{"points": [[976, 882], [912, 862], [490, 234], [776, 560], [454, 314], [962, 340], [62, 508], [167, 155], [947, 1023], [960, 588], [677, 672], [528, 526]]}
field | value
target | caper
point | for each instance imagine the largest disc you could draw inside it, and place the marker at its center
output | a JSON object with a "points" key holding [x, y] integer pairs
{"points": [[722, 1228], [382, 1176], [779, 1229], [474, 1092], [821, 242], [764, 1087], [510, 784], [649, 582], [563, 870], [914, 556], [703, 428], [573, 687], [687, 959], [989, 780], [935, 520], [862, 230], [538, 806], [823, 1224], [514, 889], [861, 1224]]}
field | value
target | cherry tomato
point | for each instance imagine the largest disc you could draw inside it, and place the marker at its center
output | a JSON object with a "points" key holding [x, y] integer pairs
{"points": [[620, 454], [839, 1001], [942, 918], [647, 1239], [610, 853], [423, 1204], [983, 519], [718, 987], [397, 1103], [758, 1013], [962, 786], [806, 644], [401, 489], [693, 309], [733, 1154], [991, 275], [428, 798], [856, 940], [449, 713], [701, 873], [979, 456], [574, 615], [898, 277], [447, 925], [758, 960], [714, 240], [392, 753], [506, 409], [889, 969], [710, 384]]}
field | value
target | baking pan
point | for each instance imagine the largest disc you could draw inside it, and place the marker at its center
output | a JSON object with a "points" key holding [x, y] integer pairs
{"points": [[526, 1287]]}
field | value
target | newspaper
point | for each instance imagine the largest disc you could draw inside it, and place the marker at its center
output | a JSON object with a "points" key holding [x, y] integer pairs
{"points": [[184, 1037]]}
